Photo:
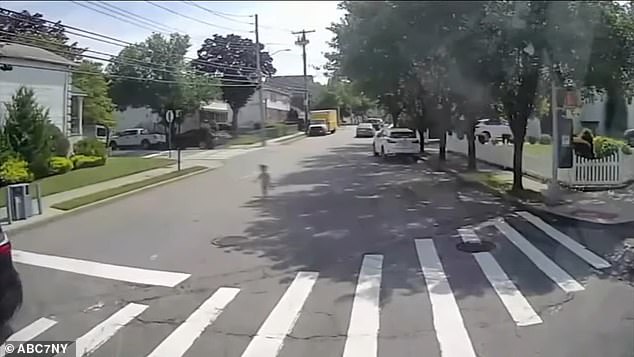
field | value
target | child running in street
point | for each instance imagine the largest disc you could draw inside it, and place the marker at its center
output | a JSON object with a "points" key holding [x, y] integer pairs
{"points": [[265, 180]]}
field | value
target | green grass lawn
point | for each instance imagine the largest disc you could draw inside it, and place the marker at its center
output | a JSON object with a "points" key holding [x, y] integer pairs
{"points": [[115, 167], [245, 139], [537, 149], [111, 192]]}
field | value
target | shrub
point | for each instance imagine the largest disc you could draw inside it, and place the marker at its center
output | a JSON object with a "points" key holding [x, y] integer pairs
{"points": [[545, 139], [59, 143], [532, 140], [15, 170], [626, 150], [90, 147], [605, 146], [59, 165], [39, 166], [83, 161]]}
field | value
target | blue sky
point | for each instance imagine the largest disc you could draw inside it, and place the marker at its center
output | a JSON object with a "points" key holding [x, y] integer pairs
{"points": [[275, 17]]}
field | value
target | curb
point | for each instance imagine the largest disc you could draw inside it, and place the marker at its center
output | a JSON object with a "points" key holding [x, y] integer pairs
{"points": [[286, 138], [63, 214], [532, 207]]}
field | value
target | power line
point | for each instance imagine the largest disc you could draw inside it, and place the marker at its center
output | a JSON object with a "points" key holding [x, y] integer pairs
{"points": [[224, 13], [217, 13], [129, 14], [192, 18], [140, 25]]}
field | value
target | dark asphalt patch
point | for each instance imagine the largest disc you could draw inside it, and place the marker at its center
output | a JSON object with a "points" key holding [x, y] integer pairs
{"points": [[228, 241], [475, 247]]}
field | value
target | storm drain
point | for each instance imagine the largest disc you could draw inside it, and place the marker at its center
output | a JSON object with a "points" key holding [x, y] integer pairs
{"points": [[228, 241], [475, 247]]}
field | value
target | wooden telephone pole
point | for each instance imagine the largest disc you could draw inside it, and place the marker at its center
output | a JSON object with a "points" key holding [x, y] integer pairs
{"points": [[303, 41]]}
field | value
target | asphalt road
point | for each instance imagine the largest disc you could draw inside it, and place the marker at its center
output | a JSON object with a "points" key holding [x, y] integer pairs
{"points": [[349, 256]]}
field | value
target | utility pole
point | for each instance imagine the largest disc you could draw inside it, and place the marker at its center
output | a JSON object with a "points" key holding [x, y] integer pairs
{"points": [[302, 41], [258, 71]]}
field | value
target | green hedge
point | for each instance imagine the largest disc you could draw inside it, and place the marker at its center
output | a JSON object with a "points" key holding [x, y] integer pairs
{"points": [[545, 139], [83, 161], [15, 170], [90, 147], [59, 165], [605, 146]]}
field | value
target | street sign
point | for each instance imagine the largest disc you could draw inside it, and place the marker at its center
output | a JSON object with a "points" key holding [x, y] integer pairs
{"points": [[169, 116]]}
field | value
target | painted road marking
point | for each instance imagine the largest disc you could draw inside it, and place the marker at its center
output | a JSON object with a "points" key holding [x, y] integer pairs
{"points": [[574, 246], [101, 270], [29, 332], [101, 333], [450, 330], [554, 272], [181, 339], [270, 337], [363, 330], [155, 154], [516, 305]]}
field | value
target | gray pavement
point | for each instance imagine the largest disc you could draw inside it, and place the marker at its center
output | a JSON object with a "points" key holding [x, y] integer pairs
{"points": [[331, 206]]}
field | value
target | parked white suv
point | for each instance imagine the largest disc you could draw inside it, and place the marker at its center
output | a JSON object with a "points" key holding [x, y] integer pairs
{"points": [[136, 137], [396, 141], [495, 129]]}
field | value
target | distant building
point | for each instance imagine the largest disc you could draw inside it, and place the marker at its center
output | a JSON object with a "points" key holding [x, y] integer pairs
{"points": [[295, 86], [49, 76], [277, 104]]}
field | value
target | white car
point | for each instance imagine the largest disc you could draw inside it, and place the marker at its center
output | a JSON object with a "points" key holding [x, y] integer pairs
{"points": [[495, 129], [396, 141], [365, 130], [137, 137]]}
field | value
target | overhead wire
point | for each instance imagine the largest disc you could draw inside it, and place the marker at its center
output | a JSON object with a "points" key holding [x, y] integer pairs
{"points": [[217, 13], [125, 13], [85, 4], [193, 18]]}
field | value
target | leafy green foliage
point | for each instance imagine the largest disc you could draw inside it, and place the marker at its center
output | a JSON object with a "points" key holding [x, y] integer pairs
{"points": [[532, 140], [90, 147], [98, 106], [170, 83], [545, 139], [234, 58], [25, 27], [59, 165], [26, 128], [605, 146], [15, 170], [59, 143], [84, 161]]}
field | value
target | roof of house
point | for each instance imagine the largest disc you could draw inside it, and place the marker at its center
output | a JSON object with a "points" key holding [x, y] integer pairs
{"points": [[14, 50]]}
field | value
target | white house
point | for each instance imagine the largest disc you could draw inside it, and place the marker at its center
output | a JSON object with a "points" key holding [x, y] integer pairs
{"points": [[49, 76], [277, 104], [211, 113], [592, 114]]}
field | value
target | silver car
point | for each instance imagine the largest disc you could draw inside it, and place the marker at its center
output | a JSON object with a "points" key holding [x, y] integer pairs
{"points": [[365, 130]]}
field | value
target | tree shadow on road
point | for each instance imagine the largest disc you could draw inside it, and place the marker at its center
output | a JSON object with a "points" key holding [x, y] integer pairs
{"points": [[345, 203]]}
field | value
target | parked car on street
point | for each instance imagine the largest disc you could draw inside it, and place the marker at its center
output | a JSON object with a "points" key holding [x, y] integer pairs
{"points": [[377, 123], [135, 138], [365, 130], [629, 137], [201, 138], [10, 287], [396, 142], [496, 129]]}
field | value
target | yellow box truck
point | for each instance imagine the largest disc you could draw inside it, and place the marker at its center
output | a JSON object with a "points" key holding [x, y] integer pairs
{"points": [[323, 122]]}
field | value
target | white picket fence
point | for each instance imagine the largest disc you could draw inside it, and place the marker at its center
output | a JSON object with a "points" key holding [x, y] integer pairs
{"points": [[614, 170]]}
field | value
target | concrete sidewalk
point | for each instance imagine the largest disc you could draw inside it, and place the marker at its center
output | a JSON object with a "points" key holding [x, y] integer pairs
{"points": [[601, 207], [49, 213]]}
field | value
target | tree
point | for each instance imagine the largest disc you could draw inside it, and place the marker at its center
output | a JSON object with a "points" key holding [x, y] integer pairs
{"points": [[26, 130], [233, 58], [154, 74], [98, 106], [27, 28]]}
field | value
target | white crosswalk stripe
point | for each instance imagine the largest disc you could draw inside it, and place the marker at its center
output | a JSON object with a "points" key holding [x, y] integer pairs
{"points": [[179, 341], [451, 329], [268, 341], [363, 330], [101, 333], [29, 332], [552, 270], [581, 251], [516, 304]]}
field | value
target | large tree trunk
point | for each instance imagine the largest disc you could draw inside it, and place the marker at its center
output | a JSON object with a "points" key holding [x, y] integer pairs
{"points": [[442, 153], [421, 133], [234, 120], [518, 149], [395, 113], [471, 149]]}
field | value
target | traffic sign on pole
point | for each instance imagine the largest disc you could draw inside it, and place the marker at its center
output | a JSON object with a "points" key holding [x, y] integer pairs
{"points": [[169, 116]]}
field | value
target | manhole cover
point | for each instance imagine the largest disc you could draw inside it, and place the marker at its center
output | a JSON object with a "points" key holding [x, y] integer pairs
{"points": [[228, 241], [475, 247]]}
